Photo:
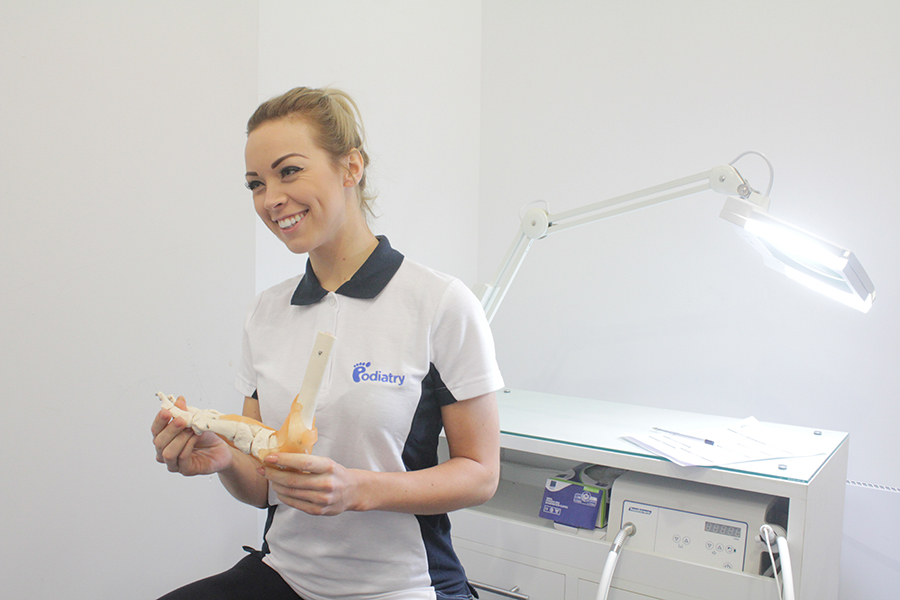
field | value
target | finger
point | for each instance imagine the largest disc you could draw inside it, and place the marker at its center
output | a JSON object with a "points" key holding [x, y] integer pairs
{"points": [[285, 479], [301, 504], [165, 429], [188, 448], [160, 421], [312, 488], [310, 500], [299, 489], [186, 463], [305, 463], [171, 453]]}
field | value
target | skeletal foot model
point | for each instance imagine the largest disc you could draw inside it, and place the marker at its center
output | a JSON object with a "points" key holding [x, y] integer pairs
{"points": [[246, 434], [297, 434]]}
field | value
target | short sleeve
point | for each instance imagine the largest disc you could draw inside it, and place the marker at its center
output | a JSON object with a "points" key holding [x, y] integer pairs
{"points": [[463, 345], [246, 379]]}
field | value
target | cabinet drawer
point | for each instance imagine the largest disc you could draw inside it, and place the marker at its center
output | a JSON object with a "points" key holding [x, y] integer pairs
{"points": [[587, 590], [534, 582]]}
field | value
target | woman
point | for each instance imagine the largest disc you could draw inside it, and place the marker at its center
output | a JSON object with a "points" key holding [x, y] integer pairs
{"points": [[364, 516]]}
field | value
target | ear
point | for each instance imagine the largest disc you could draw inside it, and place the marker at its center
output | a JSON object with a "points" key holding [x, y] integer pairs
{"points": [[354, 168]]}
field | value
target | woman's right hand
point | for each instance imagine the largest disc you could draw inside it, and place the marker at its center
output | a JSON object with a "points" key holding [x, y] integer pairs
{"points": [[185, 452]]}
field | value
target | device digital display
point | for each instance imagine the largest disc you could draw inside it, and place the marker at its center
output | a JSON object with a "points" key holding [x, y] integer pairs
{"points": [[723, 529]]}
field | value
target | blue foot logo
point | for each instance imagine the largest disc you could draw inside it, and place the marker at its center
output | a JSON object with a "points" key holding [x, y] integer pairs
{"points": [[358, 369]]}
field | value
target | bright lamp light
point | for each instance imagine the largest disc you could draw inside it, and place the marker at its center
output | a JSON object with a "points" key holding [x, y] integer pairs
{"points": [[802, 256]]}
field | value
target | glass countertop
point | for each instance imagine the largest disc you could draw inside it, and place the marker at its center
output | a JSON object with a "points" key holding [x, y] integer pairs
{"points": [[601, 425]]}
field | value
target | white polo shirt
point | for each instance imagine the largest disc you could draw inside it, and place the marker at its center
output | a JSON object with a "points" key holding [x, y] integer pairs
{"points": [[408, 341]]}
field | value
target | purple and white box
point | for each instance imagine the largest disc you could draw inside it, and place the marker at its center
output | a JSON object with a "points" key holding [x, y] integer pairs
{"points": [[579, 497]]}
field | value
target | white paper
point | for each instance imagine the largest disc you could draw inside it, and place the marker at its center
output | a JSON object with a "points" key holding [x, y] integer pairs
{"points": [[745, 441]]}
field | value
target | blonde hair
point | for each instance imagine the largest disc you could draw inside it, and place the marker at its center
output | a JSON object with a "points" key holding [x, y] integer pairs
{"points": [[335, 120]]}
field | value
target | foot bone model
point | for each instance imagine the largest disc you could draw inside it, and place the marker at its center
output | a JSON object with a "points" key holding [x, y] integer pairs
{"points": [[297, 434], [246, 434]]}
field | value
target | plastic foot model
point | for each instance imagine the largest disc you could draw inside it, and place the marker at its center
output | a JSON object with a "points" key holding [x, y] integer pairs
{"points": [[297, 434], [246, 434]]}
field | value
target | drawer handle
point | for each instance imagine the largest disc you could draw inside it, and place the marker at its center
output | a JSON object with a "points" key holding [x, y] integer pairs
{"points": [[499, 591]]}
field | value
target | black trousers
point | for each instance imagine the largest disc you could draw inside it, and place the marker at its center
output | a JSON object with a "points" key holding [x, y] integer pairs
{"points": [[250, 579]]}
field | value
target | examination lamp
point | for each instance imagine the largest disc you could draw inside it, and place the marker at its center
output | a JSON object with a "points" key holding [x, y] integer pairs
{"points": [[810, 260]]}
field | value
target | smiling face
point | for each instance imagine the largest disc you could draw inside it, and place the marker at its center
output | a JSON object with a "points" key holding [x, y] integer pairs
{"points": [[309, 202]]}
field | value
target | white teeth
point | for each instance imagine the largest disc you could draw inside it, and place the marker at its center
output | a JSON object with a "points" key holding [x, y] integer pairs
{"points": [[285, 223]]}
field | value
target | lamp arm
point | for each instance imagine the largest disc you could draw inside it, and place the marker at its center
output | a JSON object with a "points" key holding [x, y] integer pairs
{"points": [[556, 225], [537, 223], [492, 295], [557, 218]]}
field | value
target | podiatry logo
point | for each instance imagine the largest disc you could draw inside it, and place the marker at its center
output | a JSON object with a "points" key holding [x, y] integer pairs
{"points": [[361, 373]]}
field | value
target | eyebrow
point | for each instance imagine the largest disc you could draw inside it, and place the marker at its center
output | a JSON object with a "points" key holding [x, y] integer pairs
{"points": [[276, 163]]}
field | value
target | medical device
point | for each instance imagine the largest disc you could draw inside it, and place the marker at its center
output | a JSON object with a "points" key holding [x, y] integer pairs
{"points": [[700, 523]]}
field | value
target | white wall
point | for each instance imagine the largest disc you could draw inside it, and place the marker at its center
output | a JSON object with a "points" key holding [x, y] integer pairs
{"points": [[585, 100], [127, 245], [414, 68]]}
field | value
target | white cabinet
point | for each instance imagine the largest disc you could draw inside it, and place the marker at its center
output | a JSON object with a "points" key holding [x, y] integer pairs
{"points": [[506, 545], [518, 579]]}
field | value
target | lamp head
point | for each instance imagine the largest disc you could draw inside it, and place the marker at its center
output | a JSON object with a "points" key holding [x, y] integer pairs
{"points": [[802, 256]]}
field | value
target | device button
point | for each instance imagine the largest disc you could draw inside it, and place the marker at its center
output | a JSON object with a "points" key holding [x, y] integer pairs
{"points": [[728, 566], [709, 545], [676, 538], [687, 541]]}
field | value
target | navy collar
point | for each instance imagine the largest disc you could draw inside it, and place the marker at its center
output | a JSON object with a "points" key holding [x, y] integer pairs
{"points": [[366, 283]]}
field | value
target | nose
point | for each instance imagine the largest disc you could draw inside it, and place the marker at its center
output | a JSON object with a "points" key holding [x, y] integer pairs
{"points": [[274, 198]]}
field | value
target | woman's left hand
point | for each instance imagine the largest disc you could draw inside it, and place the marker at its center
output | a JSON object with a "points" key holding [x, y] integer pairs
{"points": [[314, 484]]}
